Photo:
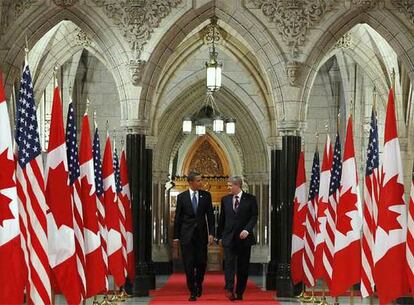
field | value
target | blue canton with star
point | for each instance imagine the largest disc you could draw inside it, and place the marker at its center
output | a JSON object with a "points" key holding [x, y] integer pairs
{"points": [[72, 146], [27, 136], [97, 164], [336, 170]]}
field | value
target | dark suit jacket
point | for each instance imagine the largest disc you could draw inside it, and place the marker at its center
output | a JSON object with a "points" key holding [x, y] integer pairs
{"points": [[232, 223], [186, 223]]}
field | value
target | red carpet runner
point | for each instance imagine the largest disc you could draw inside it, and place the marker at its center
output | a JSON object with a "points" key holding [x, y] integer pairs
{"points": [[175, 292]]}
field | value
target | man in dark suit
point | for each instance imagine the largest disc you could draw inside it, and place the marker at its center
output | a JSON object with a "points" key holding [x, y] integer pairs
{"points": [[238, 217], [193, 228]]}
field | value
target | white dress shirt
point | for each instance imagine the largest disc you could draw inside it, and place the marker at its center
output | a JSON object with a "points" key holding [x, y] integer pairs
{"points": [[234, 199], [197, 195]]}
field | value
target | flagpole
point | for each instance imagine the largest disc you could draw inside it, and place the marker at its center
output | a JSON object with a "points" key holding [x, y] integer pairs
{"points": [[26, 51], [87, 106], [393, 80], [323, 301]]}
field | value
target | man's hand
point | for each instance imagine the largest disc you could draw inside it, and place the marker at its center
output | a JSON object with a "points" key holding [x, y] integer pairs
{"points": [[210, 240], [244, 234]]}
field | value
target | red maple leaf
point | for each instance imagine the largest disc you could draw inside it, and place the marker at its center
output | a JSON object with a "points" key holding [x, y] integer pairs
{"points": [[7, 171], [5, 212], [6, 181], [111, 210], [90, 220], [346, 204], [300, 217], [391, 195], [322, 206], [59, 196]]}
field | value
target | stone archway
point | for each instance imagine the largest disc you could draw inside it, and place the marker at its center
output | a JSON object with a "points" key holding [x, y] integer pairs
{"points": [[206, 157]]}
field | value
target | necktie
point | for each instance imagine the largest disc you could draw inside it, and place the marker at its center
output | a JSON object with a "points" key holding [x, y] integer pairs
{"points": [[236, 203], [194, 202]]}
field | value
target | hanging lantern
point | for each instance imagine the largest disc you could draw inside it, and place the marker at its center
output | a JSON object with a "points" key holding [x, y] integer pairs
{"points": [[187, 125], [200, 129], [218, 125], [231, 127]]}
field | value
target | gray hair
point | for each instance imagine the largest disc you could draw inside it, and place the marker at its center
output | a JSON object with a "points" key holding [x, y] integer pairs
{"points": [[236, 180], [192, 175]]}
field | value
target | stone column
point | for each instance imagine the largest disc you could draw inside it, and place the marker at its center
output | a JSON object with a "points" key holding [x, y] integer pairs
{"points": [[138, 160], [283, 181], [275, 154]]}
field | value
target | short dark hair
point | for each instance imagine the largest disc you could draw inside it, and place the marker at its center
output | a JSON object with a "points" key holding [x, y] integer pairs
{"points": [[192, 175]]}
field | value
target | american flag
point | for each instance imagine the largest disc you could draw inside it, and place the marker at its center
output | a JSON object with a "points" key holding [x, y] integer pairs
{"points": [[100, 195], [74, 177], [336, 172], [117, 172], [371, 197], [122, 212], [126, 201], [410, 236], [309, 253], [31, 194]]}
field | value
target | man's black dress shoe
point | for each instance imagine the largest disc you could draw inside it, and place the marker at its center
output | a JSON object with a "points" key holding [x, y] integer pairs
{"points": [[199, 291], [192, 298], [230, 295], [239, 297]]}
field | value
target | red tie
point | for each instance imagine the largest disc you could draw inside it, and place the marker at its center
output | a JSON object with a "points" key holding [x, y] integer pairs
{"points": [[236, 203]]}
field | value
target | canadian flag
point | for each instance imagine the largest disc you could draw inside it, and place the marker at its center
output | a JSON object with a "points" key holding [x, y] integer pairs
{"points": [[61, 235], [114, 242], [299, 216], [95, 271], [321, 211], [12, 264], [126, 201], [347, 257], [410, 237], [390, 261]]}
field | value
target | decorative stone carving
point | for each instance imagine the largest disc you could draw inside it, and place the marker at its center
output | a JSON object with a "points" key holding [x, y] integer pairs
{"points": [[21, 5], [4, 17], [345, 42], [65, 3], [83, 39], [137, 19], [136, 68], [207, 161], [294, 17], [406, 7], [212, 33], [365, 4], [293, 72]]}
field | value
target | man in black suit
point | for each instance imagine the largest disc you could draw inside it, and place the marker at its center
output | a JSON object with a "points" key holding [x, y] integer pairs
{"points": [[238, 217], [193, 228]]}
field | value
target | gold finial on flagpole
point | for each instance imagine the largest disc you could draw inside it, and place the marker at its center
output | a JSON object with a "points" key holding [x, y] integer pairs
{"points": [[95, 120], [26, 50], [338, 121], [87, 106], [114, 135], [352, 108], [393, 79], [55, 68]]}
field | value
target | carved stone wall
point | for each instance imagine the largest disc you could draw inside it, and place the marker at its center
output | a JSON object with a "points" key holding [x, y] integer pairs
{"points": [[294, 18], [206, 161], [137, 19]]}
